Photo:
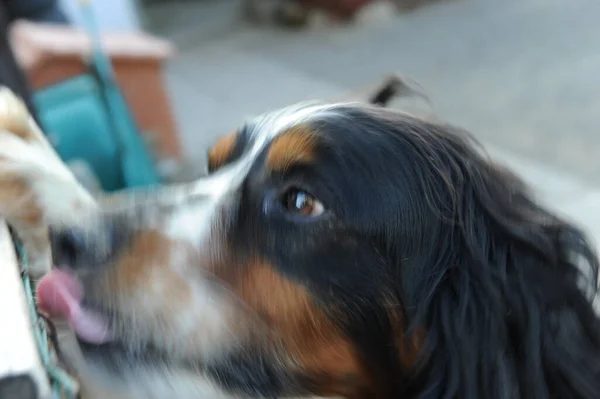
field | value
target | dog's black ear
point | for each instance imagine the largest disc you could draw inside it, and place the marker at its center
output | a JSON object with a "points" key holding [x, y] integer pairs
{"points": [[396, 86], [501, 286]]}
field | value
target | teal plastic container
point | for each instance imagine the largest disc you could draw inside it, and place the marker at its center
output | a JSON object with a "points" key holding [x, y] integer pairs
{"points": [[88, 120], [77, 124]]}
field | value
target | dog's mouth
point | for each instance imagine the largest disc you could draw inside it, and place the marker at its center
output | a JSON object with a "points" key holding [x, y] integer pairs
{"points": [[60, 296]]}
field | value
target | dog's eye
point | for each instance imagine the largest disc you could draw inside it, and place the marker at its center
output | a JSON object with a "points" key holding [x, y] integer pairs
{"points": [[302, 203]]}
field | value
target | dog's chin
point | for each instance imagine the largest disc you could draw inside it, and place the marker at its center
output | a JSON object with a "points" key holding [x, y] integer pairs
{"points": [[117, 370]]}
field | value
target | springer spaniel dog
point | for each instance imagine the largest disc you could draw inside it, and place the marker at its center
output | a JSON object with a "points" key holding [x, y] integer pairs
{"points": [[334, 250]]}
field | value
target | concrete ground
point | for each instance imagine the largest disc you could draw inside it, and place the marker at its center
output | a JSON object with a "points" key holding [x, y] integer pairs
{"points": [[522, 75]]}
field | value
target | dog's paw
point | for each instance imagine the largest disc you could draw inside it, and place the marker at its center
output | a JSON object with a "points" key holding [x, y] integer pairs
{"points": [[36, 187], [14, 116]]}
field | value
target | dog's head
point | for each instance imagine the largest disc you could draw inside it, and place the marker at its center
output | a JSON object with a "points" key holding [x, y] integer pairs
{"points": [[334, 250]]}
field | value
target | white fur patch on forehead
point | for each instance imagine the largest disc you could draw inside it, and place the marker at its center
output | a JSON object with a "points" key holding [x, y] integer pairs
{"points": [[264, 129], [267, 126]]}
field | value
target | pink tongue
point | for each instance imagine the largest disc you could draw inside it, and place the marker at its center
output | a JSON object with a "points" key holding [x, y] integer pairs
{"points": [[59, 295]]}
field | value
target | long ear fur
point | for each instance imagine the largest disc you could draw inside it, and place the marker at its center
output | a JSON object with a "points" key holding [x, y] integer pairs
{"points": [[502, 286]]}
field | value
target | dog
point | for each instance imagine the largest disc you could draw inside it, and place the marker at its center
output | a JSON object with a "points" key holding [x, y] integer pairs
{"points": [[334, 250]]}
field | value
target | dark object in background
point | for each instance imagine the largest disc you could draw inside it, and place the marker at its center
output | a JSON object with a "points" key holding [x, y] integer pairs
{"points": [[36, 10], [11, 10], [296, 13], [291, 14], [337, 9], [409, 5]]}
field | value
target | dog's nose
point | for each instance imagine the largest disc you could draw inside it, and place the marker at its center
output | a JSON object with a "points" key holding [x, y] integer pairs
{"points": [[77, 248], [67, 246]]}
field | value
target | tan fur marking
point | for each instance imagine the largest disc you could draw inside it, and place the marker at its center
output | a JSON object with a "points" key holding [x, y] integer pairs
{"points": [[408, 346], [18, 202], [221, 151], [294, 146], [315, 344], [145, 262], [14, 117]]}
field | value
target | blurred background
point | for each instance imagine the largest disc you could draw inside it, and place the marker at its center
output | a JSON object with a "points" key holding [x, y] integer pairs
{"points": [[521, 75]]}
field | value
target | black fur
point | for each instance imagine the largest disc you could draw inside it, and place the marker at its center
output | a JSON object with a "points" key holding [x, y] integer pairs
{"points": [[421, 218], [502, 286]]}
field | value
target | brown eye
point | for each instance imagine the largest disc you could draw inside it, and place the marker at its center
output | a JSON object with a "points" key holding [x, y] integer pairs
{"points": [[302, 203]]}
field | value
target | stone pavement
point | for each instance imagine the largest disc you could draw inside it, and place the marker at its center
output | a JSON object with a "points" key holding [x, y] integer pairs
{"points": [[522, 75]]}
